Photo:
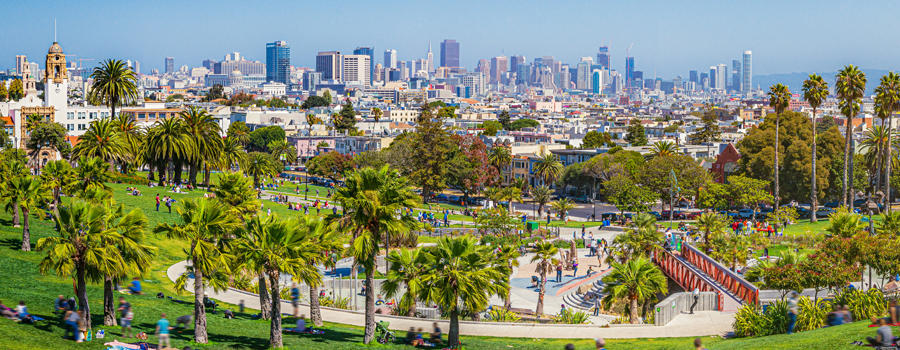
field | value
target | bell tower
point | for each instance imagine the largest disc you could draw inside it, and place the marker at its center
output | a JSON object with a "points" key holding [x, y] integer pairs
{"points": [[56, 79]]}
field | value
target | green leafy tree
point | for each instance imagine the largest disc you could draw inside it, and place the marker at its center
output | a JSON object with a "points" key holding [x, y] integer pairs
{"points": [[4, 93], [656, 176], [327, 97], [47, 134], [519, 124], [815, 92], [114, 85], [749, 192], [490, 128], [463, 276], [470, 170], [216, 92], [332, 165], [626, 195], [431, 146], [16, 91], [850, 87], [347, 118], [708, 131], [636, 281], [260, 138], [713, 196], [239, 132], [503, 118], [635, 134], [316, 101], [203, 226], [595, 139]]}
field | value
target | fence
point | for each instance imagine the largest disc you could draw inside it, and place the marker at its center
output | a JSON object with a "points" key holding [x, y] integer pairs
{"points": [[678, 271], [744, 290], [666, 310]]}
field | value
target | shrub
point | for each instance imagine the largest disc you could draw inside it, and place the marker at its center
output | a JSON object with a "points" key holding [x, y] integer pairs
{"points": [[863, 305], [337, 302], [500, 314], [118, 177], [812, 315], [749, 321], [569, 316]]}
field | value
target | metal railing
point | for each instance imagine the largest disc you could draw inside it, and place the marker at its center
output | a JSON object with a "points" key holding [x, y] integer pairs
{"points": [[744, 290], [678, 271]]}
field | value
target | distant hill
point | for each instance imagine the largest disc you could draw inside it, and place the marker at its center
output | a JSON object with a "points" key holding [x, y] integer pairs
{"points": [[794, 81]]}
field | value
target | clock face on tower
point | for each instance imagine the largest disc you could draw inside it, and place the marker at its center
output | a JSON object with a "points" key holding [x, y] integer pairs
{"points": [[57, 90]]}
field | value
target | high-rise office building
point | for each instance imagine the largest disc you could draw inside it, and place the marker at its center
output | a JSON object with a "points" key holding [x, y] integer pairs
{"points": [[547, 61], [404, 72], [368, 51], [430, 59], [693, 77], [736, 75], [563, 78], [21, 60], [499, 66], [603, 57], [747, 79], [722, 77], [583, 77], [137, 67], [278, 62], [310, 80], [390, 59], [170, 65], [515, 61], [523, 74], [356, 68], [704, 81], [329, 64], [450, 53], [596, 81], [712, 77], [209, 64], [629, 71], [484, 66]]}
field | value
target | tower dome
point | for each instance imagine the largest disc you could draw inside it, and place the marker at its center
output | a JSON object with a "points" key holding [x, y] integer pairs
{"points": [[55, 48], [236, 73]]}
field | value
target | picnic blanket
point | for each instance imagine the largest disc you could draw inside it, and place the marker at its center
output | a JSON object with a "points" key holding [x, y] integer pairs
{"points": [[117, 343]]}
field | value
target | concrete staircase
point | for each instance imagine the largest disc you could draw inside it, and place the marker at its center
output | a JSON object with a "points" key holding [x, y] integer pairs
{"points": [[577, 301]]}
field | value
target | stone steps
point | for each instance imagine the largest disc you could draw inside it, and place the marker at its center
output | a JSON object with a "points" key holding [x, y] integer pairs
{"points": [[577, 301]]}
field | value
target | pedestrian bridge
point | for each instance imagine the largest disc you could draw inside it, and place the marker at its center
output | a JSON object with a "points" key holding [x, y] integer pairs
{"points": [[692, 269]]}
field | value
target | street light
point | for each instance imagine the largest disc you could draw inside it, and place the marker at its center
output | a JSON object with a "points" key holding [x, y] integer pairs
{"points": [[594, 208]]}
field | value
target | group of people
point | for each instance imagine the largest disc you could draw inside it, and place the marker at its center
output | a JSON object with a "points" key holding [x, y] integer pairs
{"points": [[167, 200], [746, 227], [417, 337], [600, 344]]}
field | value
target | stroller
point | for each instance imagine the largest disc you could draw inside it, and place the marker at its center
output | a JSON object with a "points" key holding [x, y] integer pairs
{"points": [[385, 335]]}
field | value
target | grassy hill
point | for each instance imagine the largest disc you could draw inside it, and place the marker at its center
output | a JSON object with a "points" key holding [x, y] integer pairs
{"points": [[21, 281]]}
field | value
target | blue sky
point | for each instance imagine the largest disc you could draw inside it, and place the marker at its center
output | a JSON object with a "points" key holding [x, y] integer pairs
{"points": [[670, 37]]}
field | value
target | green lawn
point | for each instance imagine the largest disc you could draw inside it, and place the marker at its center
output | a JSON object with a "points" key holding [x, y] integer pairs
{"points": [[22, 281]]}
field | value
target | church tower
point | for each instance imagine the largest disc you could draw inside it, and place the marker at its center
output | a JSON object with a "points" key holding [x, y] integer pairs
{"points": [[56, 79], [30, 86]]}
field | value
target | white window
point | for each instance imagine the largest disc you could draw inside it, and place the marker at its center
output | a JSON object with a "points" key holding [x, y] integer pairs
{"points": [[70, 127], [93, 115], [104, 115], [82, 127], [70, 115], [81, 115]]}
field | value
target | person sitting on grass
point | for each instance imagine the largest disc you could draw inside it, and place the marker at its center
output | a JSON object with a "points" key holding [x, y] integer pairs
{"points": [[135, 286], [436, 335], [183, 321], [418, 339], [301, 325], [883, 335], [836, 317], [60, 305], [7, 312], [411, 335]]}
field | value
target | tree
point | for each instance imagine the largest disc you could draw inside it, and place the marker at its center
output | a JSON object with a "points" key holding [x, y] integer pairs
{"points": [[780, 99], [216, 92], [490, 128], [167, 143], [519, 124], [544, 255], [33, 197], [469, 169], [371, 199], [91, 175], [78, 250], [431, 147], [711, 224], [709, 130], [664, 149], [136, 256], [635, 134], [327, 97], [133, 138], [626, 195], [261, 165], [204, 224], [315, 101], [656, 175], [376, 115], [503, 118], [59, 177], [16, 92], [239, 132], [462, 277], [347, 118], [114, 85], [283, 151], [541, 195], [101, 140], [888, 97], [749, 192], [562, 207], [332, 165], [595, 139], [47, 134], [713, 196], [233, 155], [548, 168], [499, 157], [273, 247], [206, 135], [636, 281], [262, 137], [406, 268], [815, 92], [850, 87], [4, 93]]}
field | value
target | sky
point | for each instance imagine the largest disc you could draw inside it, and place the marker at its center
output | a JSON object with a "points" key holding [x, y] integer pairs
{"points": [[667, 38]]}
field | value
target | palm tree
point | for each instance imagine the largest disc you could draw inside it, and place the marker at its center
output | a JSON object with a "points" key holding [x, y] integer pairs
{"points": [[135, 255], [261, 164], [499, 157], [283, 151], [407, 267], [548, 168], [376, 114], [850, 87], [637, 281], [562, 207], [203, 224], [32, 197], [509, 254], [272, 246], [233, 155], [206, 136], [815, 92], [310, 120], [133, 137], [114, 85], [544, 255], [167, 142], [888, 94], [510, 194], [780, 99], [371, 199], [711, 224], [79, 248], [541, 195], [462, 276], [664, 148], [845, 224], [328, 241], [236, 191], [59, 176], [91, 175], [103, 140], [874, 142]]}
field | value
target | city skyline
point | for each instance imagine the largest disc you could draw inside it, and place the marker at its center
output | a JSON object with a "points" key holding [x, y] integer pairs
{"points": [[671, 40]]}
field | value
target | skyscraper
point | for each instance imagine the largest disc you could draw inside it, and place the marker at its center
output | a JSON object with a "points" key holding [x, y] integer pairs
{"points": [[498, 67], [278, 62], [722, 77], [356, 68], [712, 77], [390, 59], [747, 81], [515, 61], [704, 81], [170, 65], [21, 61], [596, 81], [137, 67], [583, 76], [368, 51], [736, 75], [329, 64], [693, 77], [450, 53], [603, 57], [430, 59], [629, 71], [484, 66]]}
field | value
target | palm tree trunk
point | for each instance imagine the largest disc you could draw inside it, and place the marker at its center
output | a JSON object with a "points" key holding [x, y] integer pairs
{"points": [[26, 233], [179, 167], [539, 310], [370, 305], [777, 124], [275, 328], [81, 294], [848, 133], [814, 200], [507, 304], [315, 312], [887, 165], [453, 337], [633, 307], [206, 171], [265, 301], [192, 172], [15, 213], [109, 312], [161, 169], [200, 334]]}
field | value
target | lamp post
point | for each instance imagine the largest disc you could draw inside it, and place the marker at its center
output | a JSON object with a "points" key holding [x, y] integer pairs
{"points": [[594, 208], [870, 206]]}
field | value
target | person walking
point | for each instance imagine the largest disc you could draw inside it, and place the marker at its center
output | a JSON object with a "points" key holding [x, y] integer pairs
{"points": [[157, 202], [596, 305], [574, 267], [169, 204], [162, 332], [793, 311], [559, 273], [295, 298], [125, 309]]}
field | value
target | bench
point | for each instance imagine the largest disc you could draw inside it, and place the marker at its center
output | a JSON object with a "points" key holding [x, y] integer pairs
{"points": [[524, 312]]}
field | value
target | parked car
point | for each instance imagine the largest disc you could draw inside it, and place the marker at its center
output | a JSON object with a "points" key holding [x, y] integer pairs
{"points": [[655, 214], [441, 197], [610, 216], [834, 204], [824, 212], [692, 215], [745, 213], [677, 215], [584, 199], [453, 199]]}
